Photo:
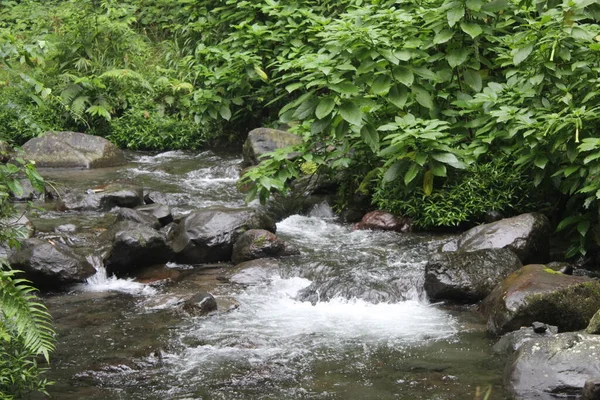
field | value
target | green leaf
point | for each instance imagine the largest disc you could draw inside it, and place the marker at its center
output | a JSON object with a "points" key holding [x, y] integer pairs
{"points": [[306, 109], [392, 172], [325, 107], [473, 79], [571, 220], [443, 36], [423, 97], [15, 187], [455, 14], [438, 169], [428, 183], [448, 158], [457, 57], [371, 137], [381, 85], [404, 76], [225, 112], [541, 161], [583, 227], [411, 174], [474, 5], [398, 96], [521, 54], [471, 29], [345, 88], [351, 113]]}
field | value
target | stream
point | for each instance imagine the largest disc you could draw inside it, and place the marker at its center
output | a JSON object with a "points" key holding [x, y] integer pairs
{"points": [[380, 339]]}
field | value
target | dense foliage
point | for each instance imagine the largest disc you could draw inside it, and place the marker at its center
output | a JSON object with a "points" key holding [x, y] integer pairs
{"points": [[25, 326], [439, 109]]}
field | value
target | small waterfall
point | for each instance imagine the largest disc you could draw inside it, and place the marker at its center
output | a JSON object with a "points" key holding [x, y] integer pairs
{"points": [[101, 282]]}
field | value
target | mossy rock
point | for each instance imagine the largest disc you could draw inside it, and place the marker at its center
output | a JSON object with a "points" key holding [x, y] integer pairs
{"points": [[594, 325], [264, 140], [537, 293]]}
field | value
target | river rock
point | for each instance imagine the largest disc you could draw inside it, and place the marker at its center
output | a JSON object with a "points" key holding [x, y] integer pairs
{"points": [[73, 150], [208, 235], [200, 304], [265, 140], [254, 272], [536, 293], [526, 235], [350, 286], [593, 327], [50, 266], [554, 366], [257, 243], [512, 341], [132, 246], [591, 389], [468, 277], [157, 210], [384, 221], [130, 214], [103, 199]]}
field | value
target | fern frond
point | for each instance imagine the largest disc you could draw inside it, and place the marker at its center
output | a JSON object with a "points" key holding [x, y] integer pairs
{"points": [[22, 314]]}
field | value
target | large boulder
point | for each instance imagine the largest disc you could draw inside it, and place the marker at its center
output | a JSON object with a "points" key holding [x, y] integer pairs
{"points": [[257, 243], [129, 214], [209, 235], [132, 246], [384, 221], [537, 293], [468, 277], [49, 265], [264, 140], [103, 199], [526, 235], [73, 150], [553, 366]]}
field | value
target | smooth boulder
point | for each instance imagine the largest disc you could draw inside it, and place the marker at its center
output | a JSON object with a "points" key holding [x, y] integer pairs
{"points": [[132, 246], [130, 214], [467, 277], [257, 243], [261, 141], [537, 293], [49, 265], [554, 366], [73, 150], [208, 235], [254, 272], [200, 304], [526, 235], [103, 199], [384, 221]]}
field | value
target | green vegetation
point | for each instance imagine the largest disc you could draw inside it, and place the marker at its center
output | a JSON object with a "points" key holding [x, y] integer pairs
{"points": [[25, 326], [441, 110]]}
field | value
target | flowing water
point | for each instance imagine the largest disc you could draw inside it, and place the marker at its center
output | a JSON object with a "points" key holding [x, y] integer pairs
{"points": [[345, 319]]}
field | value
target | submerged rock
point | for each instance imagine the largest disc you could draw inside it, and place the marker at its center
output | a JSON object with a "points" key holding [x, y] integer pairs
{"points": [[200, 304], [132, 246], [553, 366], [468, 277], [253, 272], [208, 235], [73, 150], [526, 235], [50, 266], [349, 287], [536, 293], [103, 199], [257, 243], [261, 141], [384, 221]]}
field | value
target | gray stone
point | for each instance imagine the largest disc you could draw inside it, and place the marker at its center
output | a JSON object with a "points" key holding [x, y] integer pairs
{"points": [[384, 221], [554, 366], [133, 246], [594, 325], [103, 199], [208, 235], [257, 243], [591, 389], [253, 272], [157, 210], [73, 150], [264, 140], [468, 277], [200, 304], [526, 235], [50, 266], [130, 214]]}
